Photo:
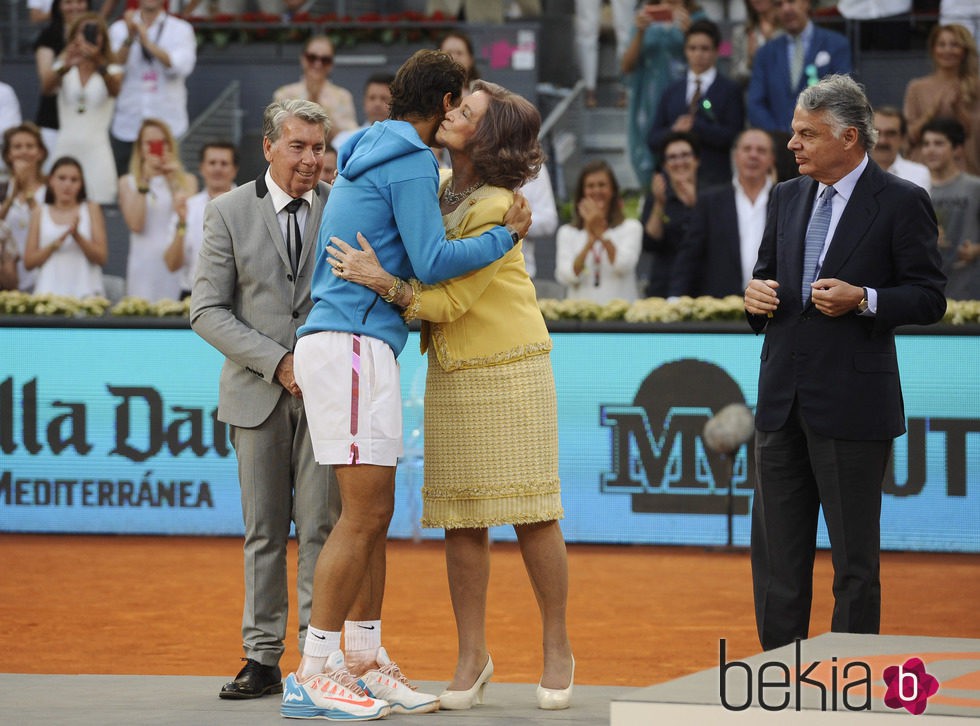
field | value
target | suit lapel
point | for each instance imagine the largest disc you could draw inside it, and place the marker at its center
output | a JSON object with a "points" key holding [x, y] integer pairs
{"points": [[729, 215], [782, 79], [810, 58], [798, 206], [858, 215], [268, 213], [677, 101]]}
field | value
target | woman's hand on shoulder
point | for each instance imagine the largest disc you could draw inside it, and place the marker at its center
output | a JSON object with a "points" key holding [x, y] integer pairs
{"points": [[518, 217], [360, 266]]}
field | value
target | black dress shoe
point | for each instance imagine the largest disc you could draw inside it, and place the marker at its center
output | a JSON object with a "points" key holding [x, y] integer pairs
{"points": [[253, 681]]}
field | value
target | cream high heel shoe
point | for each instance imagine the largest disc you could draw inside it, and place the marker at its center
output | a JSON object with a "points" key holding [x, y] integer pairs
{"points": [[463, 700], [556, 699]]}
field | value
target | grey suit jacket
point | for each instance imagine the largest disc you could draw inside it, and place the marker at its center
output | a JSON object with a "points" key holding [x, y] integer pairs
{"points": [[245, 301]]}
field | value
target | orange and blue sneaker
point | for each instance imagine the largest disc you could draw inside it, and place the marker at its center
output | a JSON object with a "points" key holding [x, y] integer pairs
{"points": [[333, 695], [387, 682]]}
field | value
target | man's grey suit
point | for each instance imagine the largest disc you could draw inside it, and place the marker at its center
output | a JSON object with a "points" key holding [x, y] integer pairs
{"points": [[247, 304]]}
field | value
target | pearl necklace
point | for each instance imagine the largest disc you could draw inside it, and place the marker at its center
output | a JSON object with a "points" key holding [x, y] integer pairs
{"points": [[456, 197]]}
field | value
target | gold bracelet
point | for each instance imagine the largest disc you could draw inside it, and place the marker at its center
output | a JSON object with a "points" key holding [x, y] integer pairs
{"points": [[394, 291], [181, 227]]}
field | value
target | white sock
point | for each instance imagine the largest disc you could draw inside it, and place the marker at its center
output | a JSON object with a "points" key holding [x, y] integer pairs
{"points": [[317, 647], [362, 635]]}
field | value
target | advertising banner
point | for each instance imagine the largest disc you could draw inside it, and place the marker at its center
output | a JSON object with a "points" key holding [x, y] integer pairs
{"points": [[115, 431]]}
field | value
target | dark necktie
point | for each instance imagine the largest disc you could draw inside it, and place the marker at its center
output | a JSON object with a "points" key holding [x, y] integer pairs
{"points": [[695, 98], [816, 235], [294, 239]]}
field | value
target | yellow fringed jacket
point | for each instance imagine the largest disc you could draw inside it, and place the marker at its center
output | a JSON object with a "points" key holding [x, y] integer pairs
{"points": [[486, 317]]}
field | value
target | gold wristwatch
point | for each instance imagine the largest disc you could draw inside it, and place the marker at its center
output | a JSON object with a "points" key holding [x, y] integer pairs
{"points": [[862, 307]]}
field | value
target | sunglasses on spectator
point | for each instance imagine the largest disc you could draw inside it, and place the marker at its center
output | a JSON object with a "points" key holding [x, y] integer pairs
{"points": [[313, 58]]}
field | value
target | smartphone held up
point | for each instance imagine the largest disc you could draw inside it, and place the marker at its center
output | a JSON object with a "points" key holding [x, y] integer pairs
{"points": [[90, 32], [659, 12]]}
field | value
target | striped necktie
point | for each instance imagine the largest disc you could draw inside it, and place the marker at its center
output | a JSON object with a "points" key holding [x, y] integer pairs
{"points": [[695, 97], [816, 235], [796, 67]]}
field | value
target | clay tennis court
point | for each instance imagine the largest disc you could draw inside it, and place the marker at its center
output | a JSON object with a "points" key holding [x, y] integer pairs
{"points": [[638, 615]]}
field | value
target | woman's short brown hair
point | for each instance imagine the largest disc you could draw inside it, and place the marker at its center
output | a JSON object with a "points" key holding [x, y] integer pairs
{"points": [[504, 150]]}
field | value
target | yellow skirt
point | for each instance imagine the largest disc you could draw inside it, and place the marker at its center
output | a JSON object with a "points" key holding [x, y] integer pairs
{"points": [[491, 445]]}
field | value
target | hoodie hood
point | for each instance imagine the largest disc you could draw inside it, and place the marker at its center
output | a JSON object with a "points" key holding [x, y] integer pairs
{"points": [[376, 145], [388, 190]]}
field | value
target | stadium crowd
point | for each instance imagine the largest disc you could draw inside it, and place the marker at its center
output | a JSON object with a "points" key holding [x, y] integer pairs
{"points": [[112, 95]]}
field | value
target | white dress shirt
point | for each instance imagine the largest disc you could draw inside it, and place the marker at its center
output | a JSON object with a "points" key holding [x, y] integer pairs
{"points": [[149, 89], [751, 226], [844, 188], [707, 78], [911, 171], [9, 108], [9, 116], [871, 9], [279, 201]]}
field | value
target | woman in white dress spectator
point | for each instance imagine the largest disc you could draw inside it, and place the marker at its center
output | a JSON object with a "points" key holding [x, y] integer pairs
{"points": [[147, 197], [24, 153], [598, 253], [48, 49], [67, 242], [86, 100]]}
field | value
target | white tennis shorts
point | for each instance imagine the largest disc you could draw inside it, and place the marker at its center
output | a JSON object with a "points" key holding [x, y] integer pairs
{"points": [[352, 395]]}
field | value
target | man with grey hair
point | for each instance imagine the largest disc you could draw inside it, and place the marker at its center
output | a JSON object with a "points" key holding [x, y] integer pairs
{"points": [[849, 253], [251, 293]]}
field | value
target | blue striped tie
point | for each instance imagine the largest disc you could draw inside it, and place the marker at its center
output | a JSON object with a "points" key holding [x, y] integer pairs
{"points": [[816, 234]]}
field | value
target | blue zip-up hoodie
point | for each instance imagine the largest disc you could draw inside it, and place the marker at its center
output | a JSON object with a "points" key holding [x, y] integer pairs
{"points": [[388, 189]]}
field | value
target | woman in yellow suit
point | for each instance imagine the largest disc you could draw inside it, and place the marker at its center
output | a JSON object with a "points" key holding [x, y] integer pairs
{"points": [[491, 426]]}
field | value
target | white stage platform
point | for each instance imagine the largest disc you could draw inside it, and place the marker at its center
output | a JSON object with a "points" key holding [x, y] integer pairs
{"points": [[103, 700]]}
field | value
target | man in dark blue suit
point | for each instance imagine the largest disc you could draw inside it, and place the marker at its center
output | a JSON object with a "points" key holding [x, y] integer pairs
{"points": [[849, 253], [786, 65], [704, 103], [722, 242]]}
